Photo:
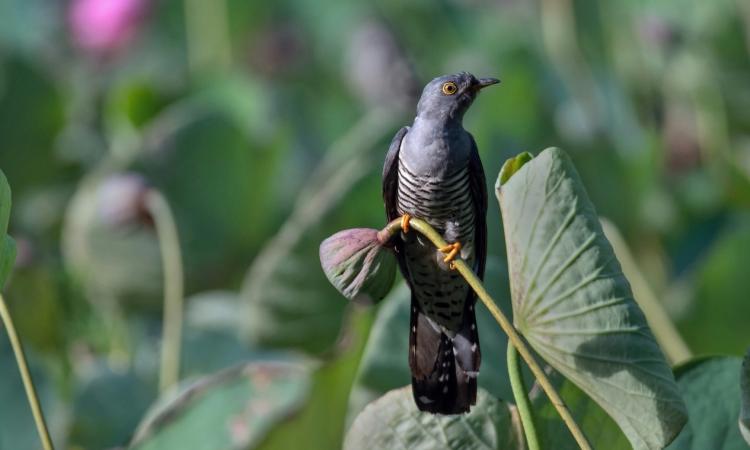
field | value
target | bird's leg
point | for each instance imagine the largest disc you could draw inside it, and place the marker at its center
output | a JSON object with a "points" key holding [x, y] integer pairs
{"points": [[405, 223], [451, 250]]}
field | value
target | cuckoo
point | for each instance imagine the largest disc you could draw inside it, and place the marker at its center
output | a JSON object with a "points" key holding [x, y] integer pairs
{"points": [[433, 172]]}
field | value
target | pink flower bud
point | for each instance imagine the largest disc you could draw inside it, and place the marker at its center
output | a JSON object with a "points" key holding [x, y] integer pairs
{"points": [[120, 199], [105, 26]]}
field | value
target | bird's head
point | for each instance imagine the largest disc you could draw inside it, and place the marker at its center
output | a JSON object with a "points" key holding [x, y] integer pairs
{"points": [[448, 97]]}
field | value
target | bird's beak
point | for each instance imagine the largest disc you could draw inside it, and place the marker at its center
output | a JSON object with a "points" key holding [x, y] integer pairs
{"points": [[482, 83]]}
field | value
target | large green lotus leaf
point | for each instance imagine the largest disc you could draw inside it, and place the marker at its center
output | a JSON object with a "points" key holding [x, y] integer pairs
{"points": [[385, 364], [4, 204], [220, 184], [209, 343], [574, 305], [598, 427], [320, 424], [211, 340], [17, 428], [394, 422], [745, 390], [31, 116], [288, 301], [712, 393], [36, 299], [7, 257], [381, 371], [233, 409], [106, 408], [7, 246]]}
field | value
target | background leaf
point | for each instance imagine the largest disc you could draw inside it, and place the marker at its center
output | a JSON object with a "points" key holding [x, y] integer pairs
{"points": [[712, 394], [394, 422], [7, 256], [716, 305], [222, 221], [17, 427], [233, 409], [7, 246], [574, 305], [31, 114], [321, 423], [5, 201], [99, 418]]}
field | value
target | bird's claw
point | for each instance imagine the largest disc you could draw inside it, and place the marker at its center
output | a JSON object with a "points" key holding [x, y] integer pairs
{"points": [[451, 250], [405, 223]]}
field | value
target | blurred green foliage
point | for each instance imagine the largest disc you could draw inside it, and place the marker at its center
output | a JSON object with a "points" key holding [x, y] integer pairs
{"points": [[265, 125]]}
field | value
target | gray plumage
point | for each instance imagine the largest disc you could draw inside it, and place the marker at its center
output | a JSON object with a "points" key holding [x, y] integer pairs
{"points": [[433, 172]]}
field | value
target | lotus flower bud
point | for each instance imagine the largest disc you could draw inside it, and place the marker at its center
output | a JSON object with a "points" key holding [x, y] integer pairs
{"points": [[358, 265], [121, 199], [105, 26]]}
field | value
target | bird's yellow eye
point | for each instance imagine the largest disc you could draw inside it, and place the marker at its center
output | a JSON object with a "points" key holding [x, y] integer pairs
{"points": [[449, 88]]}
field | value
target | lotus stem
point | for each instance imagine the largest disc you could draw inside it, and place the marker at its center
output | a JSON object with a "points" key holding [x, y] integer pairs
{"points": [[514, 337], [520, 393], [169, 245], [28, 383]]}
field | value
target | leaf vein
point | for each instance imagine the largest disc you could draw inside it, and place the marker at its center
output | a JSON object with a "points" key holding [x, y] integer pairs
{"points": [[560, 230], [566, 265], [580, 311]]}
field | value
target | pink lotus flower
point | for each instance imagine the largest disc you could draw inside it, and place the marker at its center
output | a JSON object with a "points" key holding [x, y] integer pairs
{"points": [[105, 26]]}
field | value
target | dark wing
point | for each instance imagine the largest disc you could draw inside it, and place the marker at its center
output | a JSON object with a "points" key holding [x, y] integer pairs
{"points": [[390, 175], [390, 194], [478, 187]]}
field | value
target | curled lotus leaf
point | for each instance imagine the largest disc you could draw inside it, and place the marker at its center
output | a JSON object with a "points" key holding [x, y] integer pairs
{"points": [[574, 305]]}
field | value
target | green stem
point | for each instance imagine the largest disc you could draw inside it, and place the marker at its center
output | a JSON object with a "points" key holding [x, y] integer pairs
{"points": [[28, 384], [522, 399], [169, 245], [425, 229]]}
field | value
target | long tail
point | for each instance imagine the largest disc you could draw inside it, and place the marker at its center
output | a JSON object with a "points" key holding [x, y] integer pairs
{"points": [[444, 370]]}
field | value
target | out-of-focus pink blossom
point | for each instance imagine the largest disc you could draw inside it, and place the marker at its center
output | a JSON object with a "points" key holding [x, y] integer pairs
{"points": [[121, 199], [105, 26]]}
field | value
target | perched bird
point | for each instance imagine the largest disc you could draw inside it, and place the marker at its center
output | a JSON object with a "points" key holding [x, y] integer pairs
{"points": [[433, 172]]}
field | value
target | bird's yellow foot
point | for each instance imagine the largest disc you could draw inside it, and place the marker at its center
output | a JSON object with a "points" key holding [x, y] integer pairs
{"points": [[451, 250], [405, 223]]}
